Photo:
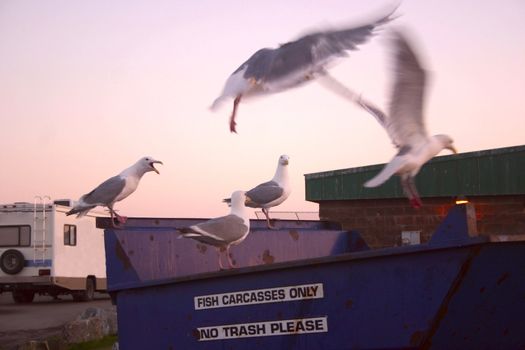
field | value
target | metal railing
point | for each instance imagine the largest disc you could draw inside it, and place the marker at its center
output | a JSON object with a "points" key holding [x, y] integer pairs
{"points": [[289, 215]]}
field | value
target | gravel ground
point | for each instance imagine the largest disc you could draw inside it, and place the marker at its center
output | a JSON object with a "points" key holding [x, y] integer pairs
{"points": [[41, 319]]}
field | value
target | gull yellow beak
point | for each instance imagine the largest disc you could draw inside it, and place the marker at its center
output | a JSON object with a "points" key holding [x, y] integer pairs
{"points": [[452, 149], [151, 164]]}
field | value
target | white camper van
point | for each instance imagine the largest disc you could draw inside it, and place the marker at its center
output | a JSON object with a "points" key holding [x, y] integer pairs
{"points": [[46, 252]]}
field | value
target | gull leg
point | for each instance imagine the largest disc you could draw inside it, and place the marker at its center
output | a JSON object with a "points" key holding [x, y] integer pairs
{"points": [[220, 260], [267, 214], [113, 214], [409, 188], [230, 262], [234, 112], [111, 218], [121, 219], [406, 188], [416, 202]]}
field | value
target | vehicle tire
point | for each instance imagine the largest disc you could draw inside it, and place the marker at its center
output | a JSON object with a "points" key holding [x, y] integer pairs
{"points": [[23, 296], [12, 261], [88, 294]]}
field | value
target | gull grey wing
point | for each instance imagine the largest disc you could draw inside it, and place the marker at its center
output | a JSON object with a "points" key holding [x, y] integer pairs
{"points": [[405, 123], [315, 50], [375, 111], [258, 65], [189, 232], [230, 227], [335, 43], [106, 192], [308, 52], [264, 193]]}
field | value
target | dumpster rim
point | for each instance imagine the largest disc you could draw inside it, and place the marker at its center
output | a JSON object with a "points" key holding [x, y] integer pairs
{"points": [[361, 255]]}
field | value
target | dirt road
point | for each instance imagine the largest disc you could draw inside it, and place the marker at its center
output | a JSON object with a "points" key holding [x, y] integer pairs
{"points": [[42, 318]]}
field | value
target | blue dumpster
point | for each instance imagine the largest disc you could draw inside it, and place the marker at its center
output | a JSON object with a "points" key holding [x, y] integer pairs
{"points": [[311, 285]]}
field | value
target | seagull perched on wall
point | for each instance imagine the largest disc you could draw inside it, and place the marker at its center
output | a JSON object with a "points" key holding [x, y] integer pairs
{"points": [[224, 231], [115, 189], [272, 193], [404, 123], [292, 64]]}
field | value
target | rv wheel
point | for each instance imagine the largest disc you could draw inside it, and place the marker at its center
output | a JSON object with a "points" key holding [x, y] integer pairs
{"points": [[12, 261], [23, 296], [87, 294]]}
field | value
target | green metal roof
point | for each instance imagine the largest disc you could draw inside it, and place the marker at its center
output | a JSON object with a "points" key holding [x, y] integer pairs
{"points": [[491, 172]]}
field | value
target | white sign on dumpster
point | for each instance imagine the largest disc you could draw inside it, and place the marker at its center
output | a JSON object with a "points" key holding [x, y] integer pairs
{"points": [[259, 296], [264, 329]]}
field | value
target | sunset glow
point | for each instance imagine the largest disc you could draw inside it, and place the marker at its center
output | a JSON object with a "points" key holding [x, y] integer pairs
{"points": [[89, 87]]}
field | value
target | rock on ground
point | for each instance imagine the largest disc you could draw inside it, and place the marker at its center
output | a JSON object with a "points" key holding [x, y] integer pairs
{"points": [[92, 324]]}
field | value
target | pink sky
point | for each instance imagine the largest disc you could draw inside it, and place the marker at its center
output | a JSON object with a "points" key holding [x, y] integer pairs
{"points": [[88, 87]]}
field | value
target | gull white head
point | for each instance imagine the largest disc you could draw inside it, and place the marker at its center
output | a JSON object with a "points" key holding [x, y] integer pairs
{"points": [[284, 159], [238, 204], [281, 173], [238, 199], [146, 164]]}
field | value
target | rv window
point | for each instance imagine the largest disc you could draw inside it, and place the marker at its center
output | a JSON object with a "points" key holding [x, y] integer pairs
{"points": [[15, 236], [25, 236], [70, 235]]}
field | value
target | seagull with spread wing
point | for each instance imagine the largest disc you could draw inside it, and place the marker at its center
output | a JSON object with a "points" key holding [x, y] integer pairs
{"points": [[224, 231], [293, 64], [404, 123], [115, 189]]}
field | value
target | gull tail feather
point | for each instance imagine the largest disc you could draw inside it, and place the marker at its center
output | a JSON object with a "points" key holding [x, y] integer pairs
{"points": [[189, 235], [390, 169], [191, 232], [81, 211], [187, 232], [218, 102]]}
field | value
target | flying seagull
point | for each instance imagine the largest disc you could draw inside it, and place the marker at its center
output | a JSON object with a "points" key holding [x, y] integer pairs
{"points": [[293, 64], [115, 189], [404, 123], [224, 231], [272, 193]]}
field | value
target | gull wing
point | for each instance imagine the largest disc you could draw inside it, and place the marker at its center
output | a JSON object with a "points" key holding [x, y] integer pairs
{"points": [[405, 124], [106, 192], [218, 231], [264, 193]]}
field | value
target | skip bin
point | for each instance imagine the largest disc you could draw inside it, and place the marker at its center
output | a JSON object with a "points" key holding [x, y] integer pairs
{"points": [[311, 285]]}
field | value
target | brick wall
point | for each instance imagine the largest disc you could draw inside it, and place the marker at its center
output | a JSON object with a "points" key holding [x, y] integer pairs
{"points": [[381, 221]]}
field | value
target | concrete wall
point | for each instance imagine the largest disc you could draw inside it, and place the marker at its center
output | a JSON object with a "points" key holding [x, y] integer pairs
{"points": [[381, 221]]}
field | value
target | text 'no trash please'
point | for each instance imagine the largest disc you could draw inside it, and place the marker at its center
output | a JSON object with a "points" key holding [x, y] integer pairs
{"points": [[264, 329]]}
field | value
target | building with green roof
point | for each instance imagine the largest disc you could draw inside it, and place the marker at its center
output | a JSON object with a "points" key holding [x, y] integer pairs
{"points": [[492, 180]]}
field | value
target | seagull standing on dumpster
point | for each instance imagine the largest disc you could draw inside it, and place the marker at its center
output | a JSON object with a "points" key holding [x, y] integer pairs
{"points": [[404, 123], [292, 64], [224, 231], [114, 190], [272, 193]]}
